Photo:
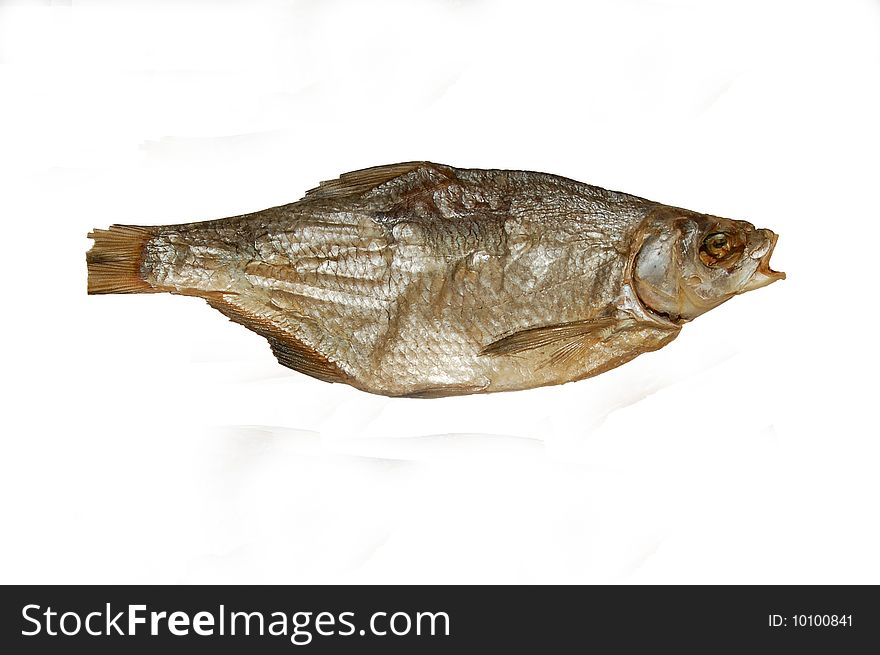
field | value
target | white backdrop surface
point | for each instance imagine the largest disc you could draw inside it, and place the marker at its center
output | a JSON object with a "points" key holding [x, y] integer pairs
{"points": [[148, 439]]}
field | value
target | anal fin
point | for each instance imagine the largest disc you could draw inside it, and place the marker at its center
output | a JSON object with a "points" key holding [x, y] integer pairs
{"points": [[288, 350], [293, 354]]}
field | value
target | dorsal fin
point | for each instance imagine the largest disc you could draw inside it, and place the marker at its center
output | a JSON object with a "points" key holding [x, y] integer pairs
{"points": [[364, 180]]}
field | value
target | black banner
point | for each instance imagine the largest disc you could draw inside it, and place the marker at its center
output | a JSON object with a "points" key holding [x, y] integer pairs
{"points": [[278, 619]]}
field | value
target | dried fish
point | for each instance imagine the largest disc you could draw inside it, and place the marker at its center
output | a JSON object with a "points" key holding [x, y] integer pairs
{"points": [[418, 279]]}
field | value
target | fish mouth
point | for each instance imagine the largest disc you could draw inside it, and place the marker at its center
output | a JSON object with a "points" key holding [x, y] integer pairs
{"points": [[764, 275]]}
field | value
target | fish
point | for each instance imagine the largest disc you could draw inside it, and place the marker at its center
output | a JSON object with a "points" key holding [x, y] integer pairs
{"points": [[423, 280]]}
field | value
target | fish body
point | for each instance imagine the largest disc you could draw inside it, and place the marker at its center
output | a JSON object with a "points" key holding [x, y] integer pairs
{"points": [[419, 279]]}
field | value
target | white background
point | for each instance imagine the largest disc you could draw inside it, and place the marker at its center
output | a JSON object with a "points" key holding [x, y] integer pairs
{"points": [[148, 439]]}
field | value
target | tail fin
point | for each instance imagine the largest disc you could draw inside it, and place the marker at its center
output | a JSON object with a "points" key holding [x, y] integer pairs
{"points": [[114, 262]]}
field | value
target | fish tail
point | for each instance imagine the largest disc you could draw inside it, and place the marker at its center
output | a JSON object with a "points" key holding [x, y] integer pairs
{"points": [[115, 261]]}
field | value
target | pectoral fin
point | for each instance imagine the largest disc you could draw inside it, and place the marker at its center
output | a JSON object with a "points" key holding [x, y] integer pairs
{"points": [[569, 340]]}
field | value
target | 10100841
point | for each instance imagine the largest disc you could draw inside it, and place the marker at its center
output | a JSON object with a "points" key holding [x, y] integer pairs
{"points": [[810, 620]]}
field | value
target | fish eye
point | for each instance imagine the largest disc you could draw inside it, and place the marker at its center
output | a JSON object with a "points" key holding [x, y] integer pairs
{"points": [[716, 247]]}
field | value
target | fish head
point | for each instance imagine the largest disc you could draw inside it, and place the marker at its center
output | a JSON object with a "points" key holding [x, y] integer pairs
{"points": [[690, 263]]}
